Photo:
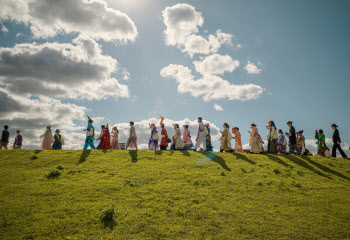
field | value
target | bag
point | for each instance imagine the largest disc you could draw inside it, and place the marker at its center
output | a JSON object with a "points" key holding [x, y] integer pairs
{"points": [[155, 136], [90, 133], [327, 154], [284, 142], [63, 142]]}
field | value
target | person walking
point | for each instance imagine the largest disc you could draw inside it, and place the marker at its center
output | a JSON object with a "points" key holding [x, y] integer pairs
{"points": [[18, 141], [292, 139], [5, 138], [336, 142], [201, 136]]}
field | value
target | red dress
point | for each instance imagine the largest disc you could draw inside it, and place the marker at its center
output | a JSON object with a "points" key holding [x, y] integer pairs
{"points": [[164, 140], [105, 140]]}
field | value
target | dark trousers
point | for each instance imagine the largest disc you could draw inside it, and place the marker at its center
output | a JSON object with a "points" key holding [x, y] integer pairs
{"points": [[269, 146], [163, 147], [334, 150], [273, 146]]}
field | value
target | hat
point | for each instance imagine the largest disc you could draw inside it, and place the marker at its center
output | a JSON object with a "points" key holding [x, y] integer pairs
{"points": [[289, 122], [253, 124], [57, 130], [152, 124], [301, 131]]}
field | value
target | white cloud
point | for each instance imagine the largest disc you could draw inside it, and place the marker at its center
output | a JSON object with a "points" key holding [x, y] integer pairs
{"points": [[182, 22], [216, 64], [77, 70], [92, 17], [218, 107], [4, 29], [209, 87], [32, 116], [251, 68]]}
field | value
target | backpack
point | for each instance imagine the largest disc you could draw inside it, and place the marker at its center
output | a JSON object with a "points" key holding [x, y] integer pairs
{"points": [[155, 136]]}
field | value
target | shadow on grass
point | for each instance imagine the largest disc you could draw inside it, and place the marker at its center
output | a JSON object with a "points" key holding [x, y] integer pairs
{"points": [[304, 164], [85, 154], [324, 168], [37, 151], [278, 160], [210, 156], [240, 156], [133, 155]]}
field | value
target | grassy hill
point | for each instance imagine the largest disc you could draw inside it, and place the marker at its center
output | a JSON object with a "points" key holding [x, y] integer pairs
{"points": [[172, 195]]}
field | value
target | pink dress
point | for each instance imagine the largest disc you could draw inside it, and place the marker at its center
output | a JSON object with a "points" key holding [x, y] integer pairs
{"points": [[115, 141], [47, 141], [186, 138]]}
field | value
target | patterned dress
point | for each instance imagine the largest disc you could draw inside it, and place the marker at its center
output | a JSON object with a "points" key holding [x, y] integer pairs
{"points": [[238, 145], [281, 141]]}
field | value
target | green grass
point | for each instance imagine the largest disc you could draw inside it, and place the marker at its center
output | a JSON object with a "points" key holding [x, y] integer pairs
{"points": [[172, 195]]}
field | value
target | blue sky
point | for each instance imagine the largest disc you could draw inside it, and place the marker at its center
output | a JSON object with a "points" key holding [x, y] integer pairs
{"points": [[302, 48]]}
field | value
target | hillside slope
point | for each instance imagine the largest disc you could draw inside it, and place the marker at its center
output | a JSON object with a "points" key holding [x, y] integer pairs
{"points": [[172, 195]]}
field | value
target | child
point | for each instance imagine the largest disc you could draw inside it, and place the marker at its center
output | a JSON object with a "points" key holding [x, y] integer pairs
{"points": [[321, 143], [282, 142]]}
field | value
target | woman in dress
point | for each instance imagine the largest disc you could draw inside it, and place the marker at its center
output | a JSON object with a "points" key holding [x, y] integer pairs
{"points": [[238, 145], [301, 143], [187, 138], [115, 140], [47, 141], [208, 139], [165, 139], [321, 143], [132, 140], [273, 137], [105, 139], [177, 143], [153, 141], [254, 140], [226, 138], [57, 144], [282, 142]]}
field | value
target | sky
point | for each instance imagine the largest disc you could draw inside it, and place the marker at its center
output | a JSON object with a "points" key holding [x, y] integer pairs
{"points": [[236, 62]]}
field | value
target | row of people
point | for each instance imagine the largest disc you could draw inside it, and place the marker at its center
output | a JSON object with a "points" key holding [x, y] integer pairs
{"points": [[277, 142]]}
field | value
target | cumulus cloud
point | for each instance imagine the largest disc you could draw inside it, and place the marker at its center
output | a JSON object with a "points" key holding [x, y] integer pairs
{"points": [[218, 107], [50, 17], [32, 116], [182, 23], [209, 87], [251, 68], [4, 29], [77, 70], [216, 64]]}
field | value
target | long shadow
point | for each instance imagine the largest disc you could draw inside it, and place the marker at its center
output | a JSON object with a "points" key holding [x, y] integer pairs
{"points": [[84, 155], [37, 151], [213, 157], [304, 164], [133, 155], [278, 160], [240, 156], [324, 168]]}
